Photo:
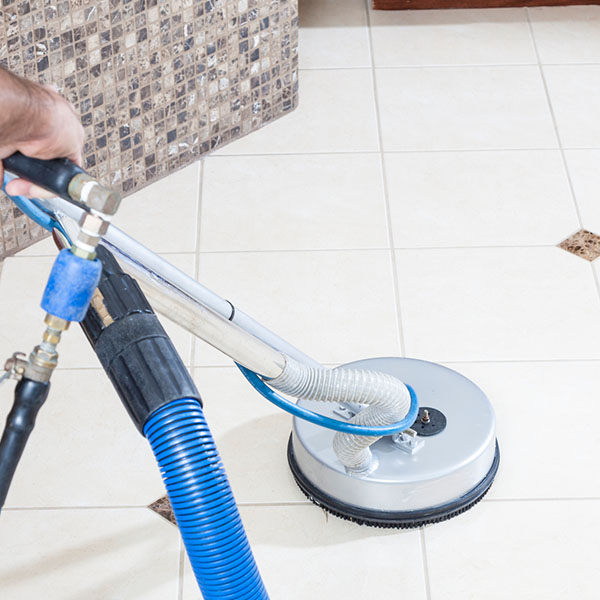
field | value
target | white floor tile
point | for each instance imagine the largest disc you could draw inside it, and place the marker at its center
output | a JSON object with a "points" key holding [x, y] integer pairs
{"points": [[240, 418], [302, 202], [567, 34], [499, 550], [45, 247], [479, 198], [584, 168], [302, 553], [533, 403], [93, 554], [334, 306], [498, 304], [575, 96], [463, 108], [336, 114], [22, 319], [162, 216], [84, 450], [451, 37], [333, 34]]}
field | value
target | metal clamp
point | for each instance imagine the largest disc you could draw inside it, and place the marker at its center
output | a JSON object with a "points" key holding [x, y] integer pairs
{"points": [[408, 441], [14, 367]]}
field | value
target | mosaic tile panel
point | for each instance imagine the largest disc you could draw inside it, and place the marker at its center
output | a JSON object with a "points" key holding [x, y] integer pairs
{"points": [[583, 243], [157, 84]]}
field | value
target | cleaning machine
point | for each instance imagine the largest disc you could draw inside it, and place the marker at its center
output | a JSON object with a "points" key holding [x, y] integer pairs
{"points": [[385, 442]]}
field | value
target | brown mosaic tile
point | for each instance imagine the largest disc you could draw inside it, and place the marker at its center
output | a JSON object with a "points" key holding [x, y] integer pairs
{"points": [[583, 243], [162, 506], [157, 84]]}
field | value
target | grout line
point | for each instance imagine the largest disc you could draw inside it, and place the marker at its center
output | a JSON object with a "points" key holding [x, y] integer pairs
{"points": [[407, 151], [34, 508], [425, 563], [386, 196], [519, 361], [181, 569], [274, 504], [437, 66], [596, 278], [375, 249], [554, 120], [284, 503], [455, 65], [199, 191]]}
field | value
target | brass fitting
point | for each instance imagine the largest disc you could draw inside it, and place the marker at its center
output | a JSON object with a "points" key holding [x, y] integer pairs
{"points": [[56, 322], [87, 254], [44, 358], [98, 305], [42, 363]]}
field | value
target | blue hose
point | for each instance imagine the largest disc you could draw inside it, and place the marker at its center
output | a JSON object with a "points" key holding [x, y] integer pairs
{"points": [[33, 210], [203, 503]]}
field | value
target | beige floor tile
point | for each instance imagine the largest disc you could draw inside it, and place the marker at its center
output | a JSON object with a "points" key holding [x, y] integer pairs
{"points": [[22, 319], [302, 202], [575, 96], [45, 247], [240, 418], [335, 306], [302, 553], [129, 554], [84, 450], [336, 114], [163, 216], [333, 34], [584, 168], [463, 108], [567, 34], [531, 401], [451, 37], [479, 198], [498, 304], [499, 550]]}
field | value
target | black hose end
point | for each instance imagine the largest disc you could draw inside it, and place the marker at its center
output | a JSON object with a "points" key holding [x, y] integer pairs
{"points": [[134, 349], [29, 397]]}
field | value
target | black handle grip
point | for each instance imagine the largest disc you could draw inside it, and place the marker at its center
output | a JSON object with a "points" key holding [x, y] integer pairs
{"points": [[135, 351], [53, 175], [29, 397]]}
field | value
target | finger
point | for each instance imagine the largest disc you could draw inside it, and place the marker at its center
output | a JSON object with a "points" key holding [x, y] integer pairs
{"points": [[22, 187]]}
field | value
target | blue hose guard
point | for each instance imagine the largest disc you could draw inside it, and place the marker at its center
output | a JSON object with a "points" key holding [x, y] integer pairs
{"points": [[203, 503]]}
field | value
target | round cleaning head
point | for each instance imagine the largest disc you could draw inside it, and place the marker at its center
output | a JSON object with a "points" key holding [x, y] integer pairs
{"points": [[440, 468]]}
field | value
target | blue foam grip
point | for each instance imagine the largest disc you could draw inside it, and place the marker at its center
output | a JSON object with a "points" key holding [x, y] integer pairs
{"points": [[71, 285], [203, 503]]}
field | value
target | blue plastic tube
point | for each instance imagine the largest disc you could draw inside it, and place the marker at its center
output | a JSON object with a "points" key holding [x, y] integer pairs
{"points": [[318, 419], [203, 503]]}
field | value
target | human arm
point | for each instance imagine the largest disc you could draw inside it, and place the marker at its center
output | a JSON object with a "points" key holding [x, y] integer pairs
{"points": [[36, 121]]}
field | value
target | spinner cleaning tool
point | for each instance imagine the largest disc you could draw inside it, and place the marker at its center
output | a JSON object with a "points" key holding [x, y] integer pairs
{"points": [[388, 442]]}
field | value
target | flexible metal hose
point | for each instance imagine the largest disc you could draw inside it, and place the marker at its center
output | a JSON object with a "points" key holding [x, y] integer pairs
{"points": [[203, 503], [387, 400]]}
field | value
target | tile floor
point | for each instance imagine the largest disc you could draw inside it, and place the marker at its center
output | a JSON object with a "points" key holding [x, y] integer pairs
{"points": [[413, 205]]}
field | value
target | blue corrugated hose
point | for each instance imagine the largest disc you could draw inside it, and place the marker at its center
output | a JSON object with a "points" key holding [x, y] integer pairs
{"points": [[203, 503]]}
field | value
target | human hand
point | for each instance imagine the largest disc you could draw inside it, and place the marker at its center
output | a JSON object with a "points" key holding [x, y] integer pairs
{"points": [[39, 123]]}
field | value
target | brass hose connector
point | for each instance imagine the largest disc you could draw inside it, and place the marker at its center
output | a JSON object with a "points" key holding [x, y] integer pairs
{"points": [[44, 358]]}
